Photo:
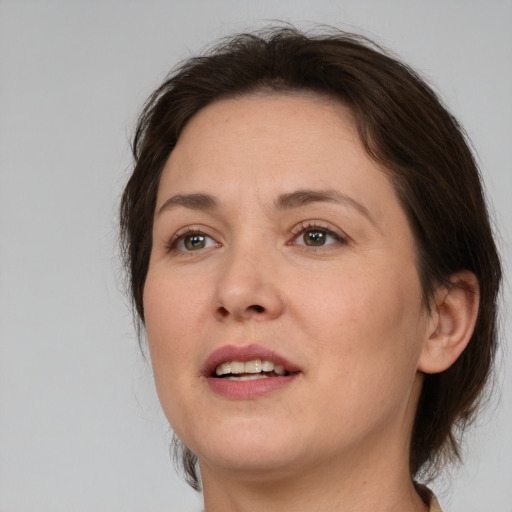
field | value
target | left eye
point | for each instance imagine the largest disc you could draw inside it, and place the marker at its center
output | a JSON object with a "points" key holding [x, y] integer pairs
{"points": [[194, 242], [316, 237]]}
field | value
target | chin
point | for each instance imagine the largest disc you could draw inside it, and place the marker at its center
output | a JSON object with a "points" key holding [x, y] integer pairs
{"points": [[252, 448]]}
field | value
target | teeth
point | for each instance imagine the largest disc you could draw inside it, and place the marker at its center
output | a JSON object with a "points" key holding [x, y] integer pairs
{"points": [[237, 367], [279, 369], [223, 369], [267, 366], [256, 366], [256, 376], [253, 366]]}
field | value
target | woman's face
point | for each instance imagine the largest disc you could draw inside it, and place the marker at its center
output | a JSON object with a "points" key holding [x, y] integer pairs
{"points": [[278, 243]]}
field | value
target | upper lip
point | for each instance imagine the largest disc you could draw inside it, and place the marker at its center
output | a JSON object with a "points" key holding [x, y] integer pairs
{"points": [[244, 354]]}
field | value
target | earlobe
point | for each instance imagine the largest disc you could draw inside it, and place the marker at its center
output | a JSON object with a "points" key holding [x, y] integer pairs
{"points": [[453, 320]]}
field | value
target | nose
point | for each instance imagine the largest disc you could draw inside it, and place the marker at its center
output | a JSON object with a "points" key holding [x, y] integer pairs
{"points": [[247, 288]]}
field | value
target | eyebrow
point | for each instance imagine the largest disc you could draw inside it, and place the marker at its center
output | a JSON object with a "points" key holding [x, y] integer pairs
{"points": [[192, 201], [297, 199], [301, 198]]}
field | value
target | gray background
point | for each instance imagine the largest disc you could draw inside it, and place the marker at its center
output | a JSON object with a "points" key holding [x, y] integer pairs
{"points": [[80, 427]]}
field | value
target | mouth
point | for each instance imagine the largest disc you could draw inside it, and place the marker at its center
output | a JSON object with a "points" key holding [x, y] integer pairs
{"points": [[247, 372], [254, 369]]}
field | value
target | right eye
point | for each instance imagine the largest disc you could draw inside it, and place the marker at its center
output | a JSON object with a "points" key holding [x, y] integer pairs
{"points": [[192, 241]]}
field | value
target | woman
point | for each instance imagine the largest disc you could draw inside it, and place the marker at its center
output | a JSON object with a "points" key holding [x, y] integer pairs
{"points": [[311, 258]]}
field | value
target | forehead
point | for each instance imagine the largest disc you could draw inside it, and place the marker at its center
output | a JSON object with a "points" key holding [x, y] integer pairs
{"points": [[282, 116], [282, 139]]}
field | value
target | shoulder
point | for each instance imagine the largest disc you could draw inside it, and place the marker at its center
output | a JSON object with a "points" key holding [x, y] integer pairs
{"points": [[434, 505], [428, 497]]}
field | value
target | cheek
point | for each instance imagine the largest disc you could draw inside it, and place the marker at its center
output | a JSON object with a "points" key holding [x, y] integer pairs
{"points": [[368, 315], [368, 328], [175, 322], [174, 307]]}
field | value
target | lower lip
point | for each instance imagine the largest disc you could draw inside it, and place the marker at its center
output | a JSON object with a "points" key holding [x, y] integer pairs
{"points": [[248, 389]]}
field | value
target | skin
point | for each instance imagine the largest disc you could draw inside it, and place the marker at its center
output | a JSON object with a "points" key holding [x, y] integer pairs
{"points": [[348, 313]]}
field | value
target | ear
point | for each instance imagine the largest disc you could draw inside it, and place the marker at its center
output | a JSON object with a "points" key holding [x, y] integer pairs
{"points": [[453, 320]]}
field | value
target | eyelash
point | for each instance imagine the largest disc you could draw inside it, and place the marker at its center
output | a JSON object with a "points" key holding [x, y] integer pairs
{"points": [[296, 232], [304, 227], [180, 236]]}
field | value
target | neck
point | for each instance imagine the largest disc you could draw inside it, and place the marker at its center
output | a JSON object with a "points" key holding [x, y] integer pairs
{"points": [[359, 487]]}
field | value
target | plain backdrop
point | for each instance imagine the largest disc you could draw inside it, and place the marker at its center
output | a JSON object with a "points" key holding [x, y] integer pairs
{"points": [[80, 425]]}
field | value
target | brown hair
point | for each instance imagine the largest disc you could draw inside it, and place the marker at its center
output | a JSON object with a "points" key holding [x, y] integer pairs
{"points": [[405, 128]]}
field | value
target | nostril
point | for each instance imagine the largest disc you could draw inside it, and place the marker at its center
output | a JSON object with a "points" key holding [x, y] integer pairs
{"points": [[253, 309]]}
